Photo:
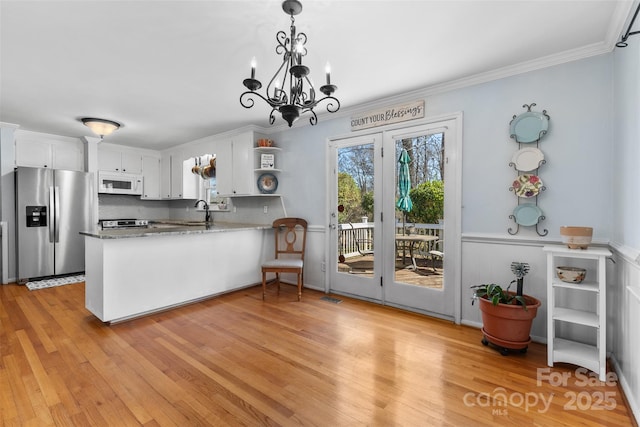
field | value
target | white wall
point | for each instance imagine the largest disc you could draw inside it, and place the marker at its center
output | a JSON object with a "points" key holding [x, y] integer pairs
{"points": [[624, 291], [626, 145]]}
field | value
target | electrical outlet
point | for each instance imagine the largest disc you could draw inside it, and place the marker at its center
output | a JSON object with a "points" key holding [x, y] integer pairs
{"points": [[265, 209], [235, 209], [323, 266]]}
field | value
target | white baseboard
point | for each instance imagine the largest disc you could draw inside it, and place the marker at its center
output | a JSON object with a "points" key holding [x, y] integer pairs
{"points": [[624, 384]]}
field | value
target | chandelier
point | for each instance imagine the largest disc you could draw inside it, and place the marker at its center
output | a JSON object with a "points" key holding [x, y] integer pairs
{"points": [[290, 90]]}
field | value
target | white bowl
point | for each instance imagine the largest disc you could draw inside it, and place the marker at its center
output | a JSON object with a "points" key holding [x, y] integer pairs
{"points": [[571, 274]]}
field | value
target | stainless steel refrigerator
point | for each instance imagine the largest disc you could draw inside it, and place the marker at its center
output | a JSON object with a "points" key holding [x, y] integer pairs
{"points": [[52, 208]]}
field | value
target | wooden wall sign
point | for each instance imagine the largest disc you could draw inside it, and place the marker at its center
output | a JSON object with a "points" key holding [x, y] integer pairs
{"points": [[389, 115]]}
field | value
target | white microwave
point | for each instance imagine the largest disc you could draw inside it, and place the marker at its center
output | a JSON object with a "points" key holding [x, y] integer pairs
{"points": [[119, 183]]}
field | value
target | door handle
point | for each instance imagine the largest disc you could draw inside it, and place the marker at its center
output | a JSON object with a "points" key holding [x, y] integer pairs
{"points": [[51, 215], [57, 215]]}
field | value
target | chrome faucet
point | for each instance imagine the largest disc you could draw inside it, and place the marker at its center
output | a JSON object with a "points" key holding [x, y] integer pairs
{"points": [[207, 214]]}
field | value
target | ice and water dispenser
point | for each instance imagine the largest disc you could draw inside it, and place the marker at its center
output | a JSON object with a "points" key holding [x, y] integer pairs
{"points": [[36, 216]]}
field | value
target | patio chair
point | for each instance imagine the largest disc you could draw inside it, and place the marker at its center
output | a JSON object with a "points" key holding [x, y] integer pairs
{"points": [[290, 236], [435, 254], [367, 243]]}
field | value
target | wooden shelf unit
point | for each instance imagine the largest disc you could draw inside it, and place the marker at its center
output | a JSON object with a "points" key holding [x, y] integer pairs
{"points": [[592, 357]]}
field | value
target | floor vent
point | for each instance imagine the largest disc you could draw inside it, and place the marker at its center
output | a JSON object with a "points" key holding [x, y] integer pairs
{"points": [[330, 299]]}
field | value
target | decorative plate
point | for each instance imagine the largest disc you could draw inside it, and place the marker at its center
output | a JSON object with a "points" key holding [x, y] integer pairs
{"points": [[527, 185], [529, 126], [527, 159], [527, 214], [267, 183]]}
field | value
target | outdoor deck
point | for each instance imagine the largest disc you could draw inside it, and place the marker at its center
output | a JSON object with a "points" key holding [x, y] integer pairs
{"points": [[356, 245], [423, 276]]}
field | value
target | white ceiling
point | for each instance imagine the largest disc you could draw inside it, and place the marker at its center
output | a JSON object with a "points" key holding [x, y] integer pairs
{"points": [[172, 71]]}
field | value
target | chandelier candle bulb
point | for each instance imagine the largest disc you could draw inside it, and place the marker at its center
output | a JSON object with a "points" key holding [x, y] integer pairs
{"points": [[253, 67], [276, 89], [327, 70]]}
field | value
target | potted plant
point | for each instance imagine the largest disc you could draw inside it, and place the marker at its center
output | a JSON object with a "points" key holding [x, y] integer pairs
{"points": [[507, 316]]}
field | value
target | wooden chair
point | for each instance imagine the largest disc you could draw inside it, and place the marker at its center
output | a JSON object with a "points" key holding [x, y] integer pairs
{"points": [[290, 236]]}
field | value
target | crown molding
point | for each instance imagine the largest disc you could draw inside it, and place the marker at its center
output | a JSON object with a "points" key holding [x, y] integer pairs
{"points": [[621, 15], [9, 125]]}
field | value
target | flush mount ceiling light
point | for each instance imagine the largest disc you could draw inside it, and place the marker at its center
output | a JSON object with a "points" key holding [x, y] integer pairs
{"points": [[101, 127], [290, 90]]}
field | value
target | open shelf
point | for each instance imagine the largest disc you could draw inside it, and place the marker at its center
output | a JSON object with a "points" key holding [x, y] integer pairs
{"points": [[579, 317], [584, 286], [577, 353], [592, 357]]}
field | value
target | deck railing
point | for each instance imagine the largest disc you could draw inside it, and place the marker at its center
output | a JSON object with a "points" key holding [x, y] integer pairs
{"points": [[357, 238]]}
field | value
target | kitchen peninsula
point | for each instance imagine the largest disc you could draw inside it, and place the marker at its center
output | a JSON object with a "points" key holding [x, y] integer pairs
{"points": [[132, 272]]}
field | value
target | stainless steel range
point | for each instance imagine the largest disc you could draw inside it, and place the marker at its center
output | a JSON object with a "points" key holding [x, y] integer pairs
{"points": [[110, 224]]}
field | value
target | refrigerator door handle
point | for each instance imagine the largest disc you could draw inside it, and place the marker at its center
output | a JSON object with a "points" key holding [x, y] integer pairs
{"points": [[52, 204], [57, 214]]}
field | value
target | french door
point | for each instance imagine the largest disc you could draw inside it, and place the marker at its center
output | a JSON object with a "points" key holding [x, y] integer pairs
{"points": [[403, 257], [355, 171]]}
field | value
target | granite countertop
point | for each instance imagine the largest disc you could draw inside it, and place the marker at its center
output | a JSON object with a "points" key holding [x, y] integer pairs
{"points": [[172, 227]]}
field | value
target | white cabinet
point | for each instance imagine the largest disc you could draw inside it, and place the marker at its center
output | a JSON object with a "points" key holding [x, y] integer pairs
{"points": [[235, 165], [239, 165], [590, 312], [165, 177], [224, 167], [176, 179], [151, 173], [114, 160], [50, 154], [176, 176], [70, 157]]}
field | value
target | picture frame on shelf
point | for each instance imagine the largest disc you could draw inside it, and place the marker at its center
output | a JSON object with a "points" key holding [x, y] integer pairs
{"points": [[267, 161]]}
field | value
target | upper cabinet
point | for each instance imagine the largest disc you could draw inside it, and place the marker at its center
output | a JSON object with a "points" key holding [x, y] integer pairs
{"points": [[240, 168], [176, 175], [151, 173], [165, 176], [116, 160], [37, 150], [234, 166], [171, 172]]}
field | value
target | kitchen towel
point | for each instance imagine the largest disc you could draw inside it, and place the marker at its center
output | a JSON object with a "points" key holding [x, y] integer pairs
{"points": [[56, 281]]}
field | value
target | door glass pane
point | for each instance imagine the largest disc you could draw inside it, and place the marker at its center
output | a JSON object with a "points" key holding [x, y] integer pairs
{"points": [[355, 210], [419, 246]]}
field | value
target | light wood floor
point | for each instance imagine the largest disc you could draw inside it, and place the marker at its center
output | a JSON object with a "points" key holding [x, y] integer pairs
{"points": [[236, 360]]}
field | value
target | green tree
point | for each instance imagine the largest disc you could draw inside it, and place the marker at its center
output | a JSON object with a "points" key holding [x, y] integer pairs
{"points": [[428, 202], [349, 197], [367, 204]]}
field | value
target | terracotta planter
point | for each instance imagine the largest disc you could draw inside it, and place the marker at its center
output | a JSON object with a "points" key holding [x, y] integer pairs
{"points": [[508, 325]]}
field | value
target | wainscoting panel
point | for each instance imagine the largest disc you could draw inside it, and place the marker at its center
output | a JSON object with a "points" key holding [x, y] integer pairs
{"points": [[624, 324]]}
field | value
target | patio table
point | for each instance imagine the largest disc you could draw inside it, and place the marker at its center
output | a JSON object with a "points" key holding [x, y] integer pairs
{"points": [[412, 240]]}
